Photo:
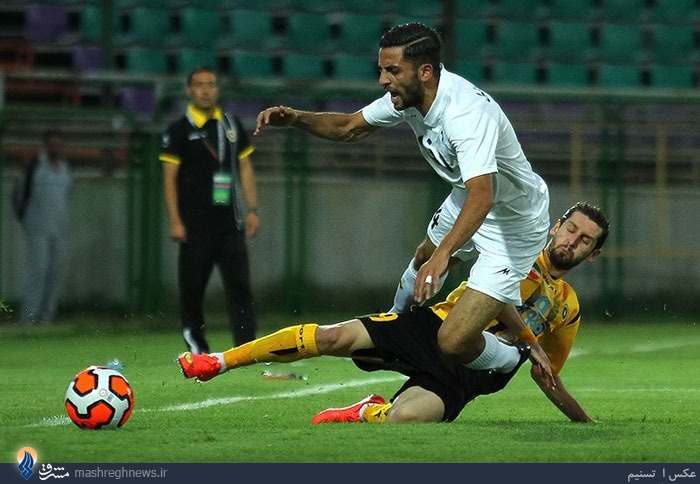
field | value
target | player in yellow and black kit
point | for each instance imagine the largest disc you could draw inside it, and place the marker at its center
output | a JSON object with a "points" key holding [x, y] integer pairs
{"points": [[211, 198], [438, 388]]}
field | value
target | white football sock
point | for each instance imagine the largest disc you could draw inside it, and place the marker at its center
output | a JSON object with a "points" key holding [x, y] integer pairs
{"points": [[496, 356], [403, 299], [220, 357]]}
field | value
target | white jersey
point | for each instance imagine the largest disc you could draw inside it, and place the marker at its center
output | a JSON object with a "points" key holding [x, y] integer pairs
{"points": [[465, 134]]}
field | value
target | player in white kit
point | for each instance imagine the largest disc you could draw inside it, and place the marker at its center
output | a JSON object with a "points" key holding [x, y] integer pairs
{"points": [[497, 212]]}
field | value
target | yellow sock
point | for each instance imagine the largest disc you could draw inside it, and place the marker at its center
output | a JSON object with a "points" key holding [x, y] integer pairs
{"points": [[286, 345], [376, 412]]}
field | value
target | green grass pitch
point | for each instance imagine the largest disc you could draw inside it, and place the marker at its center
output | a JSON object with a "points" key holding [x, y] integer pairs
{"points": [[640, 381]]}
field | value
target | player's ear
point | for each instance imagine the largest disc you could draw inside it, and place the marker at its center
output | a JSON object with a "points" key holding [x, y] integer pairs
{"points": [[555, 228], [593, 255], [425, 72]]}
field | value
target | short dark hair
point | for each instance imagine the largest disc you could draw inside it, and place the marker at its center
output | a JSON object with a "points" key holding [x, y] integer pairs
{"points": [[422, 45], [198, 70], [594, 213]]}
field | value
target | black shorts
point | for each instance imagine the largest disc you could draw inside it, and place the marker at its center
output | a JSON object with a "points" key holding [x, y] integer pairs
{"points": [[407, 343]]}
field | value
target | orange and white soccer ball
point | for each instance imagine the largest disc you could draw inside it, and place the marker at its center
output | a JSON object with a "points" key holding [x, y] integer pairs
{"points": [[99, 398]]}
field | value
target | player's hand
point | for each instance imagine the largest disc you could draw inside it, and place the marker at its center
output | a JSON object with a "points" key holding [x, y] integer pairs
{"points": [[252, 224], [178, 233], [427, 280], [275, 116], [543, 367]]}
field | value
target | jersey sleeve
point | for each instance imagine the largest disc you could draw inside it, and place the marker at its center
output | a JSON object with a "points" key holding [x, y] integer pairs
{"points": [[171, 146], [382, 113], [474, 136], [245, 148]]}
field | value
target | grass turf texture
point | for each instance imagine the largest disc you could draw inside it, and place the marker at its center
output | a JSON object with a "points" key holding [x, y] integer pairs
{"points": [[640, 381]]}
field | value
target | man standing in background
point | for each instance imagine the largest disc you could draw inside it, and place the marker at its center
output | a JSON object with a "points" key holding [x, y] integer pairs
{"points": [[41, 202], [211, 198]]}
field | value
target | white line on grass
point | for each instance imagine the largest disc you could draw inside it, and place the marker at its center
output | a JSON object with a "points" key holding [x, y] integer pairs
{"points": [[211, 402]]}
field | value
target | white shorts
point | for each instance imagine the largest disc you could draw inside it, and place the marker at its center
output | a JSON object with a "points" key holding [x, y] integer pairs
{"points": [[504, 256]]}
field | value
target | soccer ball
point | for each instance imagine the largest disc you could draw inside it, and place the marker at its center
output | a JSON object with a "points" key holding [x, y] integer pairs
{"points": [[99, 398]]}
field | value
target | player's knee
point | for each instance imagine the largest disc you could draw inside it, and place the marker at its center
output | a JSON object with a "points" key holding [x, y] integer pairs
{"points": [[457, 349], [329, 339], [423, 253], [411, 414]]}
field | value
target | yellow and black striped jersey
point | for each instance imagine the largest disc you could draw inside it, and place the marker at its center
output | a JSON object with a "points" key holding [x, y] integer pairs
{"points": [[550, 308]]}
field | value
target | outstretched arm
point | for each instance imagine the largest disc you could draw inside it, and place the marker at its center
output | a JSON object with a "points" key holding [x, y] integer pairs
{"points": [[330, 126], [560, 397]]}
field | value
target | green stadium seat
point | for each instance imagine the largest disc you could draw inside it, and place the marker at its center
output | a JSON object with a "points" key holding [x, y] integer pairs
{"points": [[315, 6], [367, 6], [516, 40], [620, 43], [514, 73], [189, 58], [571, 10], [672, 44], [671, 77], [675, 11], [145, 60], [348, 67], [419, 8], [90, 25], [308, 32], [359, 33], [568, 42], [199, 27], [473, 8], [472, 38], [147, 26], [251, 65], [303, 67], [619, 76], [250, 29], [567, 75], [623, 11], [521, 10], [433, 22], [472, 70]]}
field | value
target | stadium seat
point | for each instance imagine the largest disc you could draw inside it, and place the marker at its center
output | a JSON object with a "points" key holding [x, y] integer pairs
{"points": [[315, 6], [308, 32], [473, 8], [87, 58], [619, 76], [472, 70], [567, 75], [521, 10], [674, 77], [514, 73], [675, 11], [359, 33], [516, 40], [199, 27], [367, 7], [90, 25], [568, 42], [672, 44], [472, 38], [251, 65], [45, 23], [145, 60], [620, 43], [147, 26], [250, 29], [571, 10], [303, 67], [348, 67], [138, 99], [419, 8], [189, 58], [623, 11]]}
